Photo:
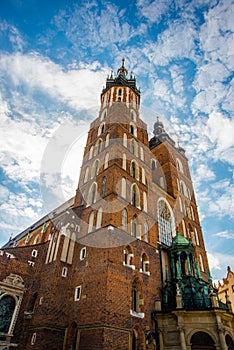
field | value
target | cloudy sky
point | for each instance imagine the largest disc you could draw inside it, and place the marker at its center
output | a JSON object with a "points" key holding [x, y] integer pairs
{"points": [[54, 60]]}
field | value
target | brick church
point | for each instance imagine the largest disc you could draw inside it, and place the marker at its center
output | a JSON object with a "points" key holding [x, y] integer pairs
{"points": [[122, 265]]}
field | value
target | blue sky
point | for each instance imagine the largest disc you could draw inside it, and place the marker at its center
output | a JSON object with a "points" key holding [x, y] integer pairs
{"points": [[54, 60]]}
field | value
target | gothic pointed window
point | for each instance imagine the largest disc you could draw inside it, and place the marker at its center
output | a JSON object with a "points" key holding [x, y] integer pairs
{"points": [[107, 140], [92, 194], [145, 204], [124, 219], [134, 170], [103, 187], [146, 232], [95, 168], [99, 146], [125, 140], [123, 187], [86, 175], [143, 176], [91, 220], [124, 163], [145, 264], [106, 161], [137, 300], [99, 218], [134, 227], [135, 196], [164, 223], [91, 152]]}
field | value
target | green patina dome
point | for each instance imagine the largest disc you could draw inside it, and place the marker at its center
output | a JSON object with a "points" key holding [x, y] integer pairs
{"points": [[179, 240]]}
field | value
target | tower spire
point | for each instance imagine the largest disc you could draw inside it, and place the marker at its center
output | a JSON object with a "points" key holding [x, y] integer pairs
{"points": [[122, 70]]}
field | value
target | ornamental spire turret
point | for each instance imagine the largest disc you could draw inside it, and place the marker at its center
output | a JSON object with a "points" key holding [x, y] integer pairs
{"points": [[122, 70]]}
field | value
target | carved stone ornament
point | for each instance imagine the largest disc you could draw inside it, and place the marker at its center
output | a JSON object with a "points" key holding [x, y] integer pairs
{"points": [[14, 280]]}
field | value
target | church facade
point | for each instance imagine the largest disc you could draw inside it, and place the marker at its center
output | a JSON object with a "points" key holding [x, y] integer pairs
{"points": [[122, 265]]}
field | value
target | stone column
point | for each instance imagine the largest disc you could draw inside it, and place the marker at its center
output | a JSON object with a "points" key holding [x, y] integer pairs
{"points": [[182, 339], [222, 338], [161, 342]]}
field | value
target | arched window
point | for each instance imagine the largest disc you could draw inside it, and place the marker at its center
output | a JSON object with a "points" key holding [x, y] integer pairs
{"points": [[153, 164], [145, 204], [134, 227], [124, 164], [181, 205], [134, 340], [184, 228], [144, 264], [99, 218], [183, 189], [179, 165], [134, 170], [123, 187], [134, 147], [91, 152], [86, 175], [196, 236], [192, 213], [162, 182], [202, 340], [95, 168], [103, 115], [135, 196], [124, 219], [128, 256], [229, 342], [201, 263], [107, 140], [187, 210], [32, 302], [125, 140], [92, 194], [103, 191], [137, 300], [106, 161], [91, 220], [133, 130], [133, 115], [143, 175], [99, 146], [146, 232], [101, 129], [142, 154], [165, 223], [7, 307]]}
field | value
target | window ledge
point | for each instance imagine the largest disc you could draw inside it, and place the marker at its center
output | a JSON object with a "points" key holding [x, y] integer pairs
{"points": [[145, 272], [137, 314], [133, 267]]}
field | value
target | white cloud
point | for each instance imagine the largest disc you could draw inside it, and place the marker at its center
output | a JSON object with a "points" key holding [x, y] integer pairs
{"points": [[218, 264], [220, 132], [12, 34], [225, 234], [176, 42], [153, 11], [78, 88], [102, 27]]}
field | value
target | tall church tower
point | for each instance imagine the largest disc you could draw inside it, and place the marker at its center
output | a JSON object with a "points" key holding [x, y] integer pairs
{"points": [[123, 265]]}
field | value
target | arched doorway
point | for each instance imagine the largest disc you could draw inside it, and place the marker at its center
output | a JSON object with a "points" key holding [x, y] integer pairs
{"points": [[202, 341], [229, 342]]}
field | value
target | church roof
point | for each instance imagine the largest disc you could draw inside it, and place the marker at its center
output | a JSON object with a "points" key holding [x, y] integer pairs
{"points": [[121, 80]]}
